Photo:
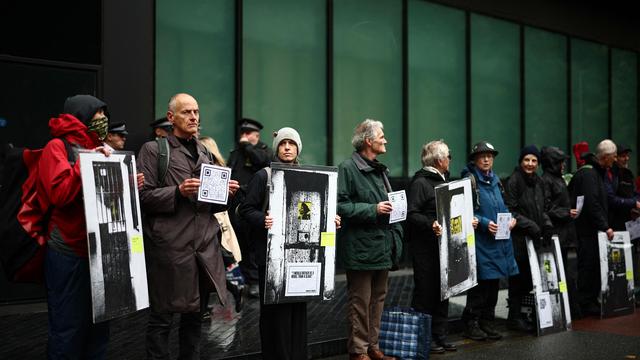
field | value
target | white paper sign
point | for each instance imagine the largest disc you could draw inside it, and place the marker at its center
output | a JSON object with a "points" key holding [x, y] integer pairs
{"points": [[214, 184], [503, 232], [545, 310], [633, 227], [579, 204], [303, 279], [398, 201]]}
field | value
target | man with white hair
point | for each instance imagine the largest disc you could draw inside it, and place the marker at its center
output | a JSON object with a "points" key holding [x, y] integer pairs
{"points": [[589, 182], [369, 245], [423, 230]]}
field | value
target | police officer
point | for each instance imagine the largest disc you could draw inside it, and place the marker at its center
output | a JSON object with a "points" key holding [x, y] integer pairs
{"points": [[249, 156]]}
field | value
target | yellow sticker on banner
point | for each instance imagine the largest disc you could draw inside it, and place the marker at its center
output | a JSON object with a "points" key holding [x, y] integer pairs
{"points": [[563, 286], [471, 240], [136, 244], [629, 275], [328, 239]]}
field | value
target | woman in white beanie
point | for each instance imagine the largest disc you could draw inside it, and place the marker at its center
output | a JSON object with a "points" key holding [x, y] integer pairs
{"points": [[283, 327]]}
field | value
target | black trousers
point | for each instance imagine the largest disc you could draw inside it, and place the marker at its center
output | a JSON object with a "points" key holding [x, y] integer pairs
{"points": [[159, 328], [588, 270], [426, 294], [521, 284], [482, 300], [283, 328], [246, 240]]}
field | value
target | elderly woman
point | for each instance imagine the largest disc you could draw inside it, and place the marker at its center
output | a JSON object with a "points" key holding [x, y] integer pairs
{"points": [[424, 231], [494, 257], [369, 245], [525, 197]]}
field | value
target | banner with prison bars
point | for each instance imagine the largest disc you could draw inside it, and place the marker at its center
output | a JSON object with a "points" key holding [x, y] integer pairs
{"points": [[301, 248], [114, 232]]}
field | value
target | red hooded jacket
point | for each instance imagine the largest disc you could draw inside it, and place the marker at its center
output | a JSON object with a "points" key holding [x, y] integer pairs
{"points": [[60, 184]]}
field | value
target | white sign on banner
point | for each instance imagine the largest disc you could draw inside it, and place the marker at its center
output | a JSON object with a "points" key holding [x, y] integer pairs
{"points": [[398, 201], [303, 279]]}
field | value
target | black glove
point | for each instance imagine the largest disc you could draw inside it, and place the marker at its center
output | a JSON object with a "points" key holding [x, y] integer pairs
{"points": [[547, 235]]}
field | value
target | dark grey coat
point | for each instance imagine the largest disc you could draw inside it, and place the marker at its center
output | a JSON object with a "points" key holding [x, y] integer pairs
{"points": [[180, 234]]}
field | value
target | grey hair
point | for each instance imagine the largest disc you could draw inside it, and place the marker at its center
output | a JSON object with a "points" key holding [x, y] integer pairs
{"points": [[174, 100], [434, 151], [605, 147], [365, 130]]}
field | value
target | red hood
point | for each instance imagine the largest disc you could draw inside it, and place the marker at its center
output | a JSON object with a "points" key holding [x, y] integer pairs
{"points": [[72, 129]]}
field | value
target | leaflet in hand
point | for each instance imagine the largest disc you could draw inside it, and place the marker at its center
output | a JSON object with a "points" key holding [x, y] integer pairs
{"points": [[503, 232], [398, 201], [214, 184], [579, 204]]}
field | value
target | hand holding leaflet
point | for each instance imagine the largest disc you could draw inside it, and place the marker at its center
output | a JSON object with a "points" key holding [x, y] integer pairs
{"points": [[503, 232], [398, 201]]}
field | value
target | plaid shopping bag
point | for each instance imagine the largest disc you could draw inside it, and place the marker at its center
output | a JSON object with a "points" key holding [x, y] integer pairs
{"points": [[405, 333]]}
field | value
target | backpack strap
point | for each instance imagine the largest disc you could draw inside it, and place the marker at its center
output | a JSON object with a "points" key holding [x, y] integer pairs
{"points": [[69, 148], [267, 192], [163, 158], [476, 191]]}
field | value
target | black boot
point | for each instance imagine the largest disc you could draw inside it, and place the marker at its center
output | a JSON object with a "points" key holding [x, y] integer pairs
{"points": [[237, 291], [487, 327], [473, 331], [516, 320]]}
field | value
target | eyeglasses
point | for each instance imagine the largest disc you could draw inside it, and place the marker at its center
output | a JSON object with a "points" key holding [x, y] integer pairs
{"points": [[449, 156]]}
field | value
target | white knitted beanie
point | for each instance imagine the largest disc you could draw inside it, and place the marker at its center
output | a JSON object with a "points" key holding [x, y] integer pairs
{"points": [[286, 133]]}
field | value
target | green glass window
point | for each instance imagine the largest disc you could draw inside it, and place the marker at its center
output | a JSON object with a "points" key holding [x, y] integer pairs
{"points": [[367, 78], [284, 70], [589, 93], [437, 82], [495, 88], [545, 88], [624, 100], [195, 42]]}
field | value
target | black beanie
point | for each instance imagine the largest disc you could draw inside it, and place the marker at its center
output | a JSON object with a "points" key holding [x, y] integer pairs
{"points": [[529, 149], [83, 107]]}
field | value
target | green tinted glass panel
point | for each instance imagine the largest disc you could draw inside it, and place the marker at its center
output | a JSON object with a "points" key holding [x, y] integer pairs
{"points": [[589, 93], [367, 78], [545, 88], [284, 70], [437, 81], [624, 101], [195, 54], [495, 88]]}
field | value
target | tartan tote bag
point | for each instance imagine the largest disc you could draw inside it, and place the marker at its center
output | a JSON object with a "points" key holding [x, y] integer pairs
{"points": [[405, 333]]}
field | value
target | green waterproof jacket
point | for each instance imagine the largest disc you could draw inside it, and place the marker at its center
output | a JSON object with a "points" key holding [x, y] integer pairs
{"points": [[366, 241]]}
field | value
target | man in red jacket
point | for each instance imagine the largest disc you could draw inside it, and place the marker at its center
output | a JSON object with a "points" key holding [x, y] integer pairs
{"points": [[72, 334]]}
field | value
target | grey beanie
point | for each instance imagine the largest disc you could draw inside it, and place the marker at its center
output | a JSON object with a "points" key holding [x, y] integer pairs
{"points": [[286, 133]]}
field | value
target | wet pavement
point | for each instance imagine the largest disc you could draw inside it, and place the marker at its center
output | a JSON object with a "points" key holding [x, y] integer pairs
{"points": [[229, 335]]}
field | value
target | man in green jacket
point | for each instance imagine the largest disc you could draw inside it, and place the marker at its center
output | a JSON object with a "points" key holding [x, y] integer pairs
{"points": [[369, 245]]}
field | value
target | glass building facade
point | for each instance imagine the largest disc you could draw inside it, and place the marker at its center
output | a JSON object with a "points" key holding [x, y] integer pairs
{"points": [[426, 70]]}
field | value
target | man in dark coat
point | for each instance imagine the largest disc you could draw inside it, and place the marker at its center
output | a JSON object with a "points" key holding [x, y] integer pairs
{"points": [[249, 156], [368, 245], [525, 197], [588, 182], [621, 195], [559, 210], [424, 230], [182, 247]]}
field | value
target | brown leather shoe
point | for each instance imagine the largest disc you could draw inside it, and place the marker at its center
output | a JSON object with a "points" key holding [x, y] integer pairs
{"points": [[376, 354], [359, 357]]}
